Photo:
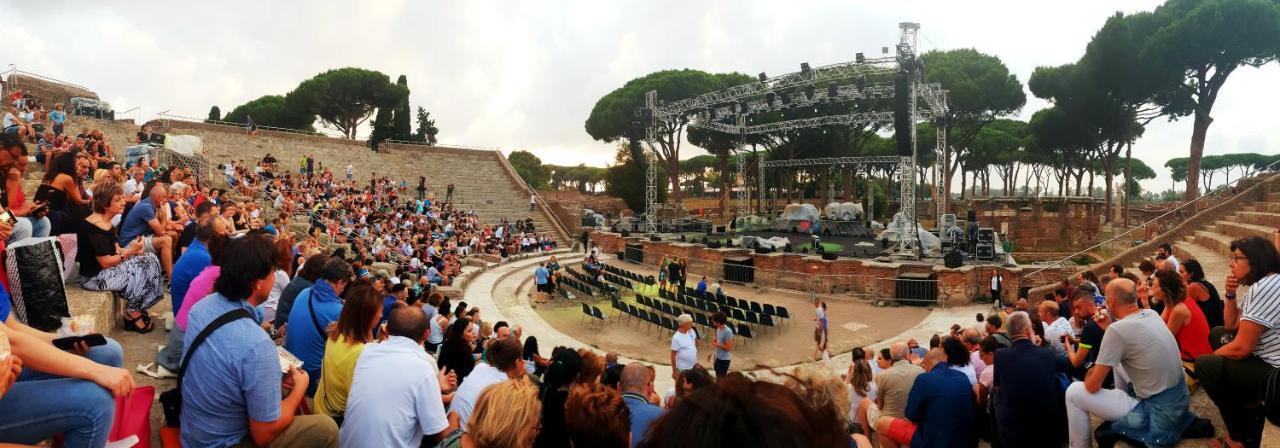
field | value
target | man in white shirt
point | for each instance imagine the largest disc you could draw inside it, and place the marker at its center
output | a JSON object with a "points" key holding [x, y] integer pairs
{"points": [[503, 363], [684, 346], [997, 284], [1055, 326], [395, 397], [1170, 262]]}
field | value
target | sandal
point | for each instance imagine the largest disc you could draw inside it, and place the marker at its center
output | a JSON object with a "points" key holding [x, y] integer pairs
{"points": [[131, 324]]}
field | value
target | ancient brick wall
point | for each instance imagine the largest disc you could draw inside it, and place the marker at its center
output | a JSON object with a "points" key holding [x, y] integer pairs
{"points": [[1039, 224]]}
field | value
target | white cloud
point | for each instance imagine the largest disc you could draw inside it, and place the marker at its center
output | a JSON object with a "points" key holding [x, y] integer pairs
{"points": [[525, 75]]}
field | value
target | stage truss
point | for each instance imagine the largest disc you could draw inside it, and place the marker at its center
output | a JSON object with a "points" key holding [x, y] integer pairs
{"points": [[726, 110]]}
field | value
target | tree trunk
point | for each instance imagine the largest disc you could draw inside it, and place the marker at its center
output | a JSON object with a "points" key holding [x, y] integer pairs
{"points": [[1128, 172], [964, 182], [1198, 132], [947, 172], [722, 162]]}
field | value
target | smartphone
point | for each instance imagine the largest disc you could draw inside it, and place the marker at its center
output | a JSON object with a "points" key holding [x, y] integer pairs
{"points": [[69, 342], [7, 217]]}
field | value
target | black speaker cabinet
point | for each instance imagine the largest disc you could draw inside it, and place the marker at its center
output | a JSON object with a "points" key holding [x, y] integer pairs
{"points": [[829, 256]]}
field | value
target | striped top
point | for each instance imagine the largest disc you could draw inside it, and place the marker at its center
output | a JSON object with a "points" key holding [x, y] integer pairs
{"points": [[1262, 306]]}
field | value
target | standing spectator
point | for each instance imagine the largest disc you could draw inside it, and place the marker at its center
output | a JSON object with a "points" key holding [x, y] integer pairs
{"points": [[684, 346], [997, 285], [396, 391], [1182, 316], [533, 201], [147, 223], [448, 197], [542, 278], [239, 357], [637, 386], [820, 332], [596, 416], [58, 117], [1055, 326], [503, 363], [1028, 407], [347, 339], [313, 311], [994, 329], [1205, 294], [105, 266], [506, 416], [350, 172], [1237, 374], [1145, 357], [723, 344], [702, 288]]}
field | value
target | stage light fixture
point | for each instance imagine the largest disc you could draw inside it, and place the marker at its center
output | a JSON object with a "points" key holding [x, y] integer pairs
{"points": [[764, 77], [744, 107], [860, 58], [768, 99], [804, 67], [884, 50], [809, 91], [862, 83], [786, 98], [832, 90]]}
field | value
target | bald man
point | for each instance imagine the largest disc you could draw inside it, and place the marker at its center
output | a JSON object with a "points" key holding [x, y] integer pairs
{"points": [[1055, 326], [637, 385], [1139, 348], [893, 386]]}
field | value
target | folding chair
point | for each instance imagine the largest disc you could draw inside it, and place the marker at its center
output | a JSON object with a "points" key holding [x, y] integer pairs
{"points": [[755, 307], [745, 331], [769, 310], [766, 320], [586, 310]]}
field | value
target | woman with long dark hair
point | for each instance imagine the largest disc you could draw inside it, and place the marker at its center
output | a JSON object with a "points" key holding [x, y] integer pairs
{"points": [[534, 363], [347, 338], [307, 276], [1182, 316], [1203, 291], [455, 351], [63, 189], [1238, 374]]}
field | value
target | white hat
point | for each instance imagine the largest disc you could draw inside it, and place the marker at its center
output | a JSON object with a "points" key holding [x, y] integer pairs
{"points": [[684, 319]]}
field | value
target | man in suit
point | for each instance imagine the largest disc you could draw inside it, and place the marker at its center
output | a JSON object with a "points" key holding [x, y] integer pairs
{"points": [[1028, 403]]}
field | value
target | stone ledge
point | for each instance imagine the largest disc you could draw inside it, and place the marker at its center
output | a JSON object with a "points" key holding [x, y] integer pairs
{"points": [[103, 307]]}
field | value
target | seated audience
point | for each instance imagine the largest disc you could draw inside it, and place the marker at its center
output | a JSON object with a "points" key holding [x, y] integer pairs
{"points": [[1183, 317], [396, 391], [503, 364], [506, 416], [308, 273], [284, 269], [1056, 327], [148, 222], [739, 412], [455, 351], [637, 386], [596, 416], [31, 221], [127, 271], [534, 363], [939, 410], [189, 266], [347, 338], [893, 386], [1028, 404], [237, 399], [1144, 356], [57, 392], [62, 189], [1238, 375], [1205, 294], [315, 308], [566, 367]]}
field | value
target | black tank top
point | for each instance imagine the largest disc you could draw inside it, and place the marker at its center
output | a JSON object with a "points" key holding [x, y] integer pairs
{"points": [[1211, 307]]}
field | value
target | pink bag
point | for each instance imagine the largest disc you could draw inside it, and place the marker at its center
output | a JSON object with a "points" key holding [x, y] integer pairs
{"points": [[133, 416]]}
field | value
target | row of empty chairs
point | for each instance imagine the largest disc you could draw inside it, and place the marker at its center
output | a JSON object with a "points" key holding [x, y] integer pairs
{"points": [[685, 295], [657, 318]]}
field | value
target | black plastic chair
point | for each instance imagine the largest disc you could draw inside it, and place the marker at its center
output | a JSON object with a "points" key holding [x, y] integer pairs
{"points": [[701, 319], [745, 331], [738, 315], [595, 312], [755, 308], [667, 323], [782, 312], [769, 310], [766, 320], [586, 310]]}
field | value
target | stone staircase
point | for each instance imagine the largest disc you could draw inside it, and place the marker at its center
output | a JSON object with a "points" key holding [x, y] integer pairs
{"points": [[1253, 210]]}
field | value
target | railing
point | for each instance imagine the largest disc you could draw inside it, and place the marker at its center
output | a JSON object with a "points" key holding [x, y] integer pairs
{"points": [[1180, 212], [546, 206], [165, 116]]}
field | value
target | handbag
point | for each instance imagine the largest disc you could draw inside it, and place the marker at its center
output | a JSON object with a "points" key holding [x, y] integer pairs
{"points": [[133, 416], [171, 400], [35, 270]]}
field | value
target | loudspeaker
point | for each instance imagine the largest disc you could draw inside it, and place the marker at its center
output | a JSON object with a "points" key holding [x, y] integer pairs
{"points": [[764, 250], [157, 139], [625, 233], [713, 244], [829, 256], [901, 113], [655, 238], [953, 259], [973, 216]]}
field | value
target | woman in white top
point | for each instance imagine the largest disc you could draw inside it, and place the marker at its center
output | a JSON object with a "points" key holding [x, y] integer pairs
{"points": [[860, 378]]}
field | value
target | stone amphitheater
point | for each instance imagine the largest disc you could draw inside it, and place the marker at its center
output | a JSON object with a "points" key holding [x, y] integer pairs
{"points": [[486, 182]]}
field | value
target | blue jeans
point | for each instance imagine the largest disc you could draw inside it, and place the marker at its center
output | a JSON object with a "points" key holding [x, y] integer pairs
{"points": [[26, 227], [40, 405]]}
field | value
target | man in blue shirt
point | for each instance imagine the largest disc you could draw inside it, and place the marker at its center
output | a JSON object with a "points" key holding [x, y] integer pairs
{"points": [[145, 222], [314, 309], [232, 389], [702, 288], [637, 385], [542, 277], [940, 405]]}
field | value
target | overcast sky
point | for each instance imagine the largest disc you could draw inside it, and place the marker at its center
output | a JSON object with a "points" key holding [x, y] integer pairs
{"points": [[525, 75]]}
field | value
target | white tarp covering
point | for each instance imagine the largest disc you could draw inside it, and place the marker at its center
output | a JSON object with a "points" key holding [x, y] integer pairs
{"points": [[800, 212], [931, 243], [843, 211], [187, 145], [751, 242]]}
